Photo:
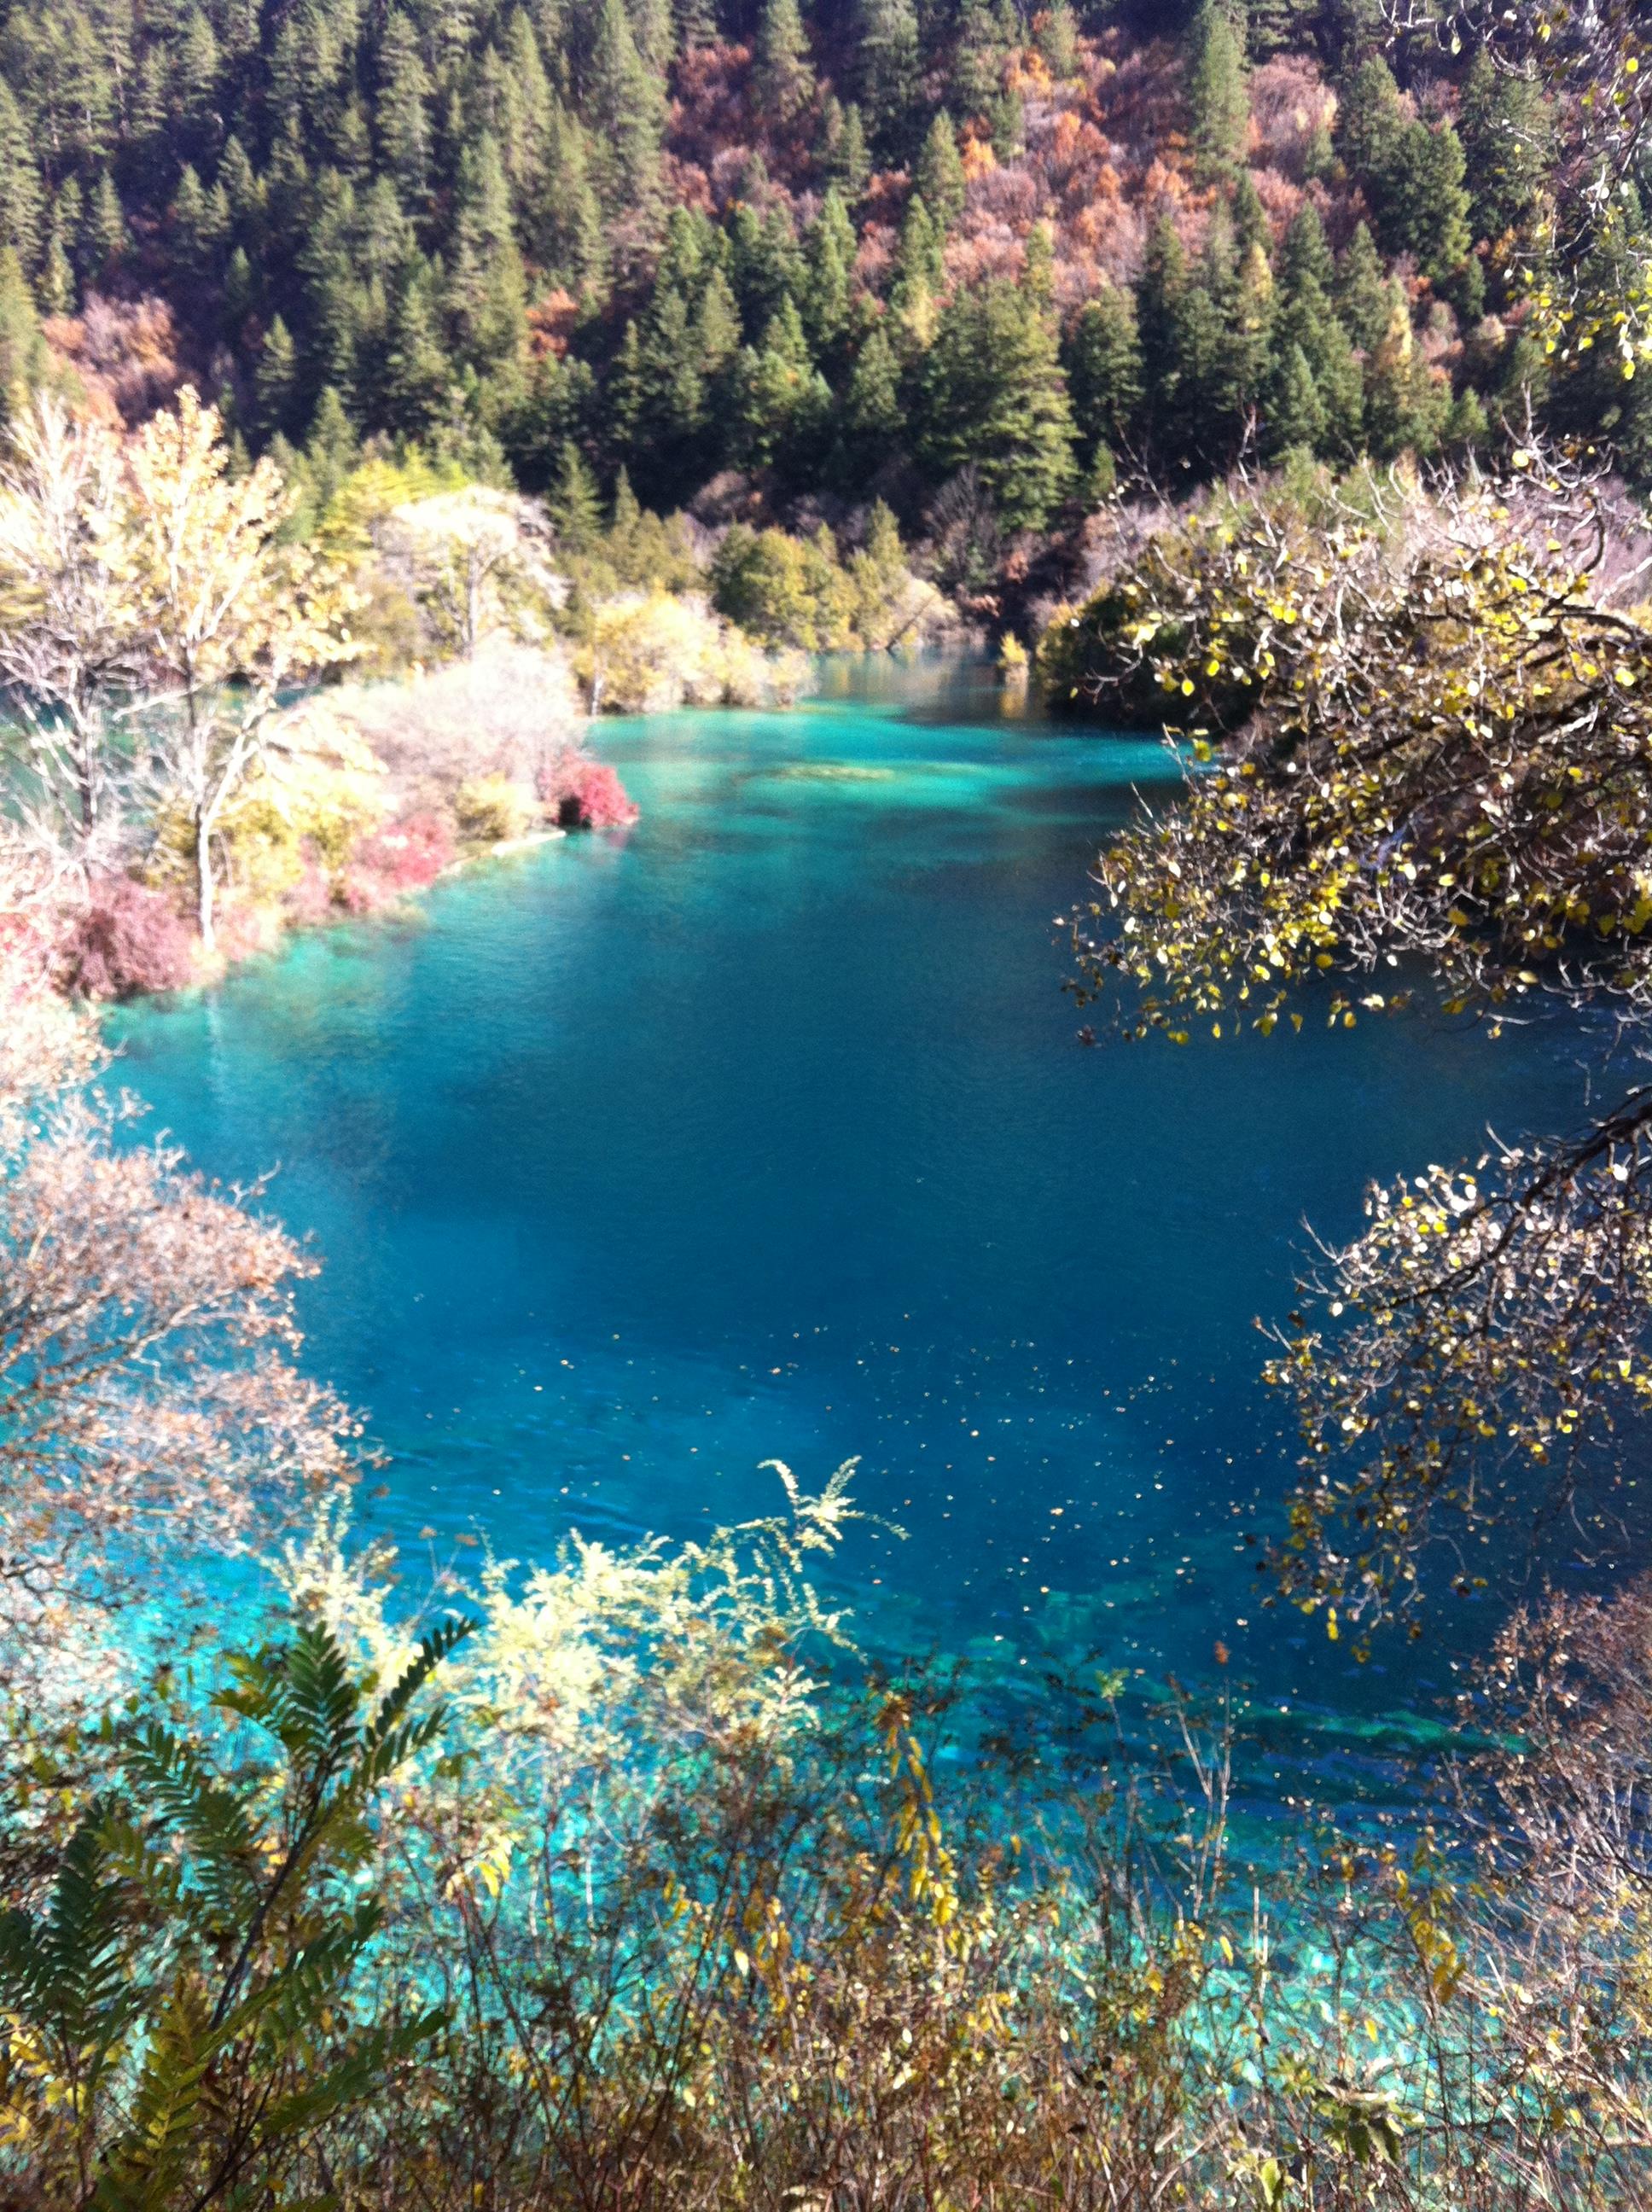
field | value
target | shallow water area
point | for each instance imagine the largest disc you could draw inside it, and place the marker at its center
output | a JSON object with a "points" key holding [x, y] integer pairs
{"points": [[765, 1130]]}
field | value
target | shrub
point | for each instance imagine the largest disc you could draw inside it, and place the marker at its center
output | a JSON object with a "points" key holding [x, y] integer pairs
{"points": [[405, 856], [491, 810], [508, 712], [127, 938], [587, 794], [647, 654]]}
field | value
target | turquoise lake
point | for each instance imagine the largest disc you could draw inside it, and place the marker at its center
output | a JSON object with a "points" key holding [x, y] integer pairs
{"points": [[765, 1131]]}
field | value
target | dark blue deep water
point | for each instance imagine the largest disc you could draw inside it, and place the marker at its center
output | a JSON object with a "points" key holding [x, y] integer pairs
{"points": [[765, 1131]]}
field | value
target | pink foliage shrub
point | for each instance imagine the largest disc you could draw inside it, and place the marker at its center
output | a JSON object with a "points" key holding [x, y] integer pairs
{"points": [[586, 794], [311, 899], [405, 856], [125, 939]]}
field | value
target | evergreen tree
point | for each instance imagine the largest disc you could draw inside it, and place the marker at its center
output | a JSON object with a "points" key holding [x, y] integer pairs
{"points": [[872, 417], [939, 179], [416, 374], [1508, 136], [978, 61], [1308, 324], [1363, 291], [22, 349], [628, 107], [103, 233], [575, 507], [1058, 39], [401, 112], [1371, 127], [1103, 361], [1251, 226], [276, 385], [486, 295], [332, 448], [919, 271], [830, 259], [1406, 404], [996, 400], [1427, 206], [887, 42], [1306, 256], [1219, 91], [22, 225], [784, 78], [1163, 280], [848, 163], [786, 402], [1467, 428], [1297, 418]]}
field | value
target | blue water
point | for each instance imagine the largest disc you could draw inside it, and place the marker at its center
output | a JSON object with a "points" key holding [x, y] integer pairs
{"points": [[765, 1130]]}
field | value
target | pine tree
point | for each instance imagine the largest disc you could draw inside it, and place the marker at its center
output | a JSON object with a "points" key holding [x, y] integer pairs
{"points": [[978, 64], [939, 179], [401, 112], [486, 294], [786, 403], [919, 271], [1467, 428], [1308, 324], [1297, 418], [1363, 291], [1306, 255], [628, 107], [1038, 267], [565, 213], [275, 382], [22, 349], [830, 259], [1218, 92], [1406, 404], [1058, 39], [1163, 280], [853, 166], [996, 400], [1371, 127], [332, 449], [1103, 361], [416, 373], [1508, 135], [887, 44], [22, 200], [103, 233], [190, 225], [1427, 206], [784, 77], [872, 416], [1251, 226], [575, 507]]}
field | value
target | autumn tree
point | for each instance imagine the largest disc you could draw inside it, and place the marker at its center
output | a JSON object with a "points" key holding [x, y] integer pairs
{"points": [[66, 647], [224, 615], [1438, 722]]}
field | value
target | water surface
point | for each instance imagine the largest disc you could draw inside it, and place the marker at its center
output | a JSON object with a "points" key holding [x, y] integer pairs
{"points": [[765, 1131]]}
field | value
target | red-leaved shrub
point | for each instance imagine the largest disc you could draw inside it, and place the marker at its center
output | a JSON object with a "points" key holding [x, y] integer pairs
{"points": [[405, 856], [587, 794], [125, 939]]}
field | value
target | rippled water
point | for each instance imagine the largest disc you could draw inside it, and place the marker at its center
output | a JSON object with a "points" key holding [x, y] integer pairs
{"points": [[765, 1130]]}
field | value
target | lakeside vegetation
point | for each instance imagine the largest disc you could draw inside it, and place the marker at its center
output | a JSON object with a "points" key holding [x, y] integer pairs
{"points": [[628, 1881]]}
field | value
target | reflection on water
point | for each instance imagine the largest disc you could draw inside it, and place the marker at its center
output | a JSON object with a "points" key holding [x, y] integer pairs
{"points": [[765, 1131]]}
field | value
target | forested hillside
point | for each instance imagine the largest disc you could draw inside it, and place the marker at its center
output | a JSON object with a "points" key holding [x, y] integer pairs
{"points": [[838, 247]]}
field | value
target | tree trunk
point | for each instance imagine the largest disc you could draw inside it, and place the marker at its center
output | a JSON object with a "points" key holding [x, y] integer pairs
{"points": [[203, 877]]}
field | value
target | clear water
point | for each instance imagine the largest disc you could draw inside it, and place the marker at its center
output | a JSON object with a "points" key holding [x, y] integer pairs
{"points": [[765, 1130]]}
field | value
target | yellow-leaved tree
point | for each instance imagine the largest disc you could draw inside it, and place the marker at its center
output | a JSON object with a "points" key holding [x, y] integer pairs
{"points": [[226, 616]]}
